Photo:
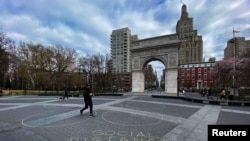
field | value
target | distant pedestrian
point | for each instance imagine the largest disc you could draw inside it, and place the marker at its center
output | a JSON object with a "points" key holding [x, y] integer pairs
{"points": [[223, 94], [208, 92], [202, 92], [66, 95], [88, 100], [113, 89]]}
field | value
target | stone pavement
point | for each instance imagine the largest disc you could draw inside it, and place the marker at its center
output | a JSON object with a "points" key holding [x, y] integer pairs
{"points": [[131, 117]]}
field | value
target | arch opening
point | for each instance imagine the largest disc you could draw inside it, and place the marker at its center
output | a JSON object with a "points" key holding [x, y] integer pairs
{"points": [[153, 72]]}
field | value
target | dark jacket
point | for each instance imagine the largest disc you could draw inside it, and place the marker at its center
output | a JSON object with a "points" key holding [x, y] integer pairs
{"points": [[66, 91], [86, 93]]}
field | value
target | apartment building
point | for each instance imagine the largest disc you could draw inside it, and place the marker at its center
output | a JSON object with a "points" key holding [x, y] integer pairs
{"points": [[120, 50], [238, 45]]}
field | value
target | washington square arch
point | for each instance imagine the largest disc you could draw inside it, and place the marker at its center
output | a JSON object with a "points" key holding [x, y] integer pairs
{"points": [[131, 54], [161, 48]]}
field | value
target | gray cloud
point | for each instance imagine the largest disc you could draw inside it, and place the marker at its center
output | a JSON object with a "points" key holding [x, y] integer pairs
{"points": [[87, 25]]}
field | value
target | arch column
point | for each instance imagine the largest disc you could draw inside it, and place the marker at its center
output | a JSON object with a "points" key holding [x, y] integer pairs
{"points": [[137, 81], [171, 81]]}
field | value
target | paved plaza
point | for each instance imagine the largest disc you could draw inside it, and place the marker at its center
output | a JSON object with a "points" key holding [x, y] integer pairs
{"points": [[117, 118]]}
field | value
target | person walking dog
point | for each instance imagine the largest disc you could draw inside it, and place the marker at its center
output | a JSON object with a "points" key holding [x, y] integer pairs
{"points": [[66, 95], [88, 100]]}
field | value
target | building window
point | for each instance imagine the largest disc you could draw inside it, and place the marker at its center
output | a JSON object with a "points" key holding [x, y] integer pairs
{"points": [[193, 71], [199, 70], [193, 77], [205, 77], [182, 77], [199, 77], [193, 84], [187, 77], [183, 71], [205, 70]]}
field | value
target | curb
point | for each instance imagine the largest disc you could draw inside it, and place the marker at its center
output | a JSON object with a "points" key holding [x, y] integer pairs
{"points": [[107, 94], [70, 95], [78, 95], [206, 101]]}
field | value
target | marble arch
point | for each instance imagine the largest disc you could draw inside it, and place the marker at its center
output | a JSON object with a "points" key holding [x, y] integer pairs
{"points": [[149, 59], [161, 48]]}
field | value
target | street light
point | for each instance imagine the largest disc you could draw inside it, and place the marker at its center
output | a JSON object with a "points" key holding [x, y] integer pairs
{"points": [[85, 78], [234, 65], [178, 85], [25, 89], [79, 79], [92, 79], [234, 31]]}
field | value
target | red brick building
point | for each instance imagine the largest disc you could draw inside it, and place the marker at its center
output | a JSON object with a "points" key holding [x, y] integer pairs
{"points": [[195, 75]]}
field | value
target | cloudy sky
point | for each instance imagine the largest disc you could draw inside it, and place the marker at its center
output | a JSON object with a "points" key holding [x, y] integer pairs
{"points": [[86, 25]]}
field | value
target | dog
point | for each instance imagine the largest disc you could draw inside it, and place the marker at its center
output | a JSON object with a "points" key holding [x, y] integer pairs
{"points": [[61, 98]]}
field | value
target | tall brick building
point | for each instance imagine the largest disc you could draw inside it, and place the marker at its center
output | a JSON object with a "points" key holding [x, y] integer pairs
{"points": [[191, 50]]}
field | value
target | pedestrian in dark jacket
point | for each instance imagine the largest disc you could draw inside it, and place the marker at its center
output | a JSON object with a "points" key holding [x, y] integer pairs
{"points": [[65, 93], [223, 94], [88, 100], [208, 93]]}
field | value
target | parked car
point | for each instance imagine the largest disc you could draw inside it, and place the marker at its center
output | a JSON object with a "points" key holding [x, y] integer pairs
{"points": [[1, 92]]}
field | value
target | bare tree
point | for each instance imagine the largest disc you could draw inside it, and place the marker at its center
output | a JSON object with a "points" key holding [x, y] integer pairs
{"points": [[96, 67], [28, 66], [6, 46], [62, 62], [40, 64], [64, 58]]}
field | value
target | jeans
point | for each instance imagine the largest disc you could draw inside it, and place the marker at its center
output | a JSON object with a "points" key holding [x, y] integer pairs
{"points": [[88, 102]]}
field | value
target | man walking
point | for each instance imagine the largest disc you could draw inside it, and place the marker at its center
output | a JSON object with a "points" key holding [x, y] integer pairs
{"points": [[65, 93], [88, 100]]}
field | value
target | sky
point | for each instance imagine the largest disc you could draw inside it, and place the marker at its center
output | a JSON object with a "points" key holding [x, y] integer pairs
{"points": [[86, 25]]}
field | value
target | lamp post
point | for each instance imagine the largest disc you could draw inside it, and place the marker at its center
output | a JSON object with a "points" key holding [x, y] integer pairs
{"points": [[92, 81], [178, 85], [85, 77], [79, 79], [234, 64], [24, 81], [178, 78]]}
